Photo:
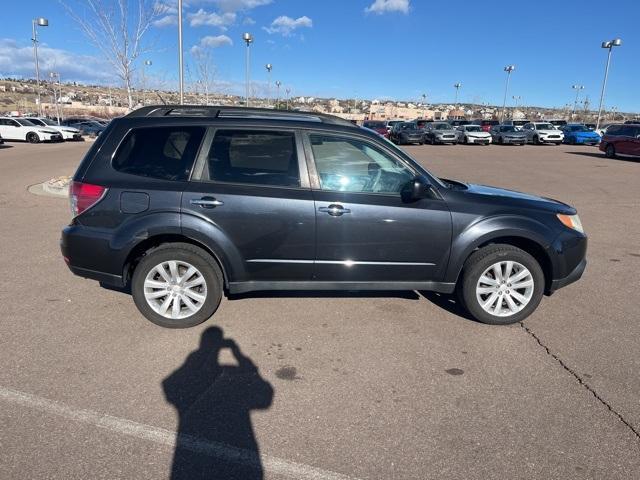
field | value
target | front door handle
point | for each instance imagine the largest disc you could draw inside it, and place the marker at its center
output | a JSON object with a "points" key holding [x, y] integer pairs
{"points": [[335, 210], [206, 202]]}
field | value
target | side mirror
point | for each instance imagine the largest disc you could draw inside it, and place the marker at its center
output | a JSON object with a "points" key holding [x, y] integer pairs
{"points": [[416, 189]]}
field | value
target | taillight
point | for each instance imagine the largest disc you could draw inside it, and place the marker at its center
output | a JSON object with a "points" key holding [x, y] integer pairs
{"points": [[83, 196]]}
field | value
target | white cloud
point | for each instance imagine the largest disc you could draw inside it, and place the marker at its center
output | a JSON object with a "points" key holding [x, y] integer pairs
{"points": [[17, 61], [210, 41], [166, 21], [286, 25], [211, 19], [248, 21], [240, 5], [384, 6]]}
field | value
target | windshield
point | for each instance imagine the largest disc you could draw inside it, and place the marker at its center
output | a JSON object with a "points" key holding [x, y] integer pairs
{"points": [[473, 128], [442, 126], [508, 128], [545, 126], [47, 121], [374, 124], [408, 126], [25, 123], [579, 128]]}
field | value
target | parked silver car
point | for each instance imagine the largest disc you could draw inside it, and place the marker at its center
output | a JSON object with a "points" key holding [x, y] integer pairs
{"points": [[542, 132], [473, 134], [440, 132], [508, 134]]}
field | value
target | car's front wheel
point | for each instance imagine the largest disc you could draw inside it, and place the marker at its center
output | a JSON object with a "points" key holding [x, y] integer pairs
{"points": [[33, 137], [610, 151], [177, 285], [501, 284]]}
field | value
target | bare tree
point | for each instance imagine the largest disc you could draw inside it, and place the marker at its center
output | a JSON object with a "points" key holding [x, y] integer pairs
{"points": [[117, 29], [205, 69]]}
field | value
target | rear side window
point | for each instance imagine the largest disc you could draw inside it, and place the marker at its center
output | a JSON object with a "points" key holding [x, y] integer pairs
{"points": [[614, 130], [254, 157], [166, 153]]}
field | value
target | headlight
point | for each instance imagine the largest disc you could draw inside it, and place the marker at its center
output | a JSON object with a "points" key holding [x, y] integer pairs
{"points": [[571, 221]]}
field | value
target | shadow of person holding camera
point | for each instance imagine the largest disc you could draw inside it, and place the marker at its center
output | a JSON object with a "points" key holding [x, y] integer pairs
{"points": [[214, 402]]}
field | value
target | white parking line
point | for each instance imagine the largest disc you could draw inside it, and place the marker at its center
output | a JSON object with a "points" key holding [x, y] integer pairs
{"points": [[169, 438]]}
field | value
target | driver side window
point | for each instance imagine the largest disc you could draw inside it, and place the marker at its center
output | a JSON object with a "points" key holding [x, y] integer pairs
{"points": [[351, 165]]}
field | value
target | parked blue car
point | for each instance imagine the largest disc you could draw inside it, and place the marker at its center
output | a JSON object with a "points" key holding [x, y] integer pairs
{"points": [[579, 134]]}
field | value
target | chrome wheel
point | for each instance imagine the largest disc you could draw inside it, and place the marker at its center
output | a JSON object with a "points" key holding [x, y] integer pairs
{"points": [[175, 289], [505, 288]]}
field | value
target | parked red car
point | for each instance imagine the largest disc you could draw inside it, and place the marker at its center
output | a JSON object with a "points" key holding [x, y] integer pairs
{"points": [[621, 139], [378, 126], [486, 124]]}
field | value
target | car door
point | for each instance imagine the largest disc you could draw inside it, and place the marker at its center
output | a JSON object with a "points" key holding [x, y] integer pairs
{"points": [[635, 150], [365, 232], [13, 130], [253, 191]]}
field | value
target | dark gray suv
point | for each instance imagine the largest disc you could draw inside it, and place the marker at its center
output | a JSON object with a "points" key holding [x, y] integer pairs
{"points": [[180, 205]]}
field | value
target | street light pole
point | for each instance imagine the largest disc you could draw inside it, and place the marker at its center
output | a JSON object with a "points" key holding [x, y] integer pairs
{"points": [[508, 69], [268, 66], [248, 39], [457, 87], [180, 53], [610, 44], [42, 22], [577, 88], [424, 105], [288, 91], [146, 63], [278, 83]]}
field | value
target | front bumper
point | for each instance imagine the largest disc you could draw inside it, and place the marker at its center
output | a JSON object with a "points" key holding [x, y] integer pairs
{"points": [[574, 276], [568, 255], [53, 138], [514, 140], [587, 140], [446, 139], [548, 139], [480, 140]]}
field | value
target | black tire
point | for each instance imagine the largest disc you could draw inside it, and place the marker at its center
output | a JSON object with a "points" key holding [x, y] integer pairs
{"points": [[433, 140], [465, 140], [501, 140], [610, 151], [482, 259], [421, 142], [536, 140], [193, 255], [32, 137]]}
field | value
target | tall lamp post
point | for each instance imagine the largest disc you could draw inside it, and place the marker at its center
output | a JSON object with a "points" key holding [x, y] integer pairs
{"points": [[278, 83], [53, 76], [516, 99], [268, 66], [248, 39], [577, 88], [146, 63], [616, 42], [180, 54], [37, 22], [508, 69], [287, 91], [457, 87], [424, 105]]}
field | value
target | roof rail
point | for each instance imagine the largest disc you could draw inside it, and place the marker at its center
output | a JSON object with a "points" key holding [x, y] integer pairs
{"points": [[220, 111]]}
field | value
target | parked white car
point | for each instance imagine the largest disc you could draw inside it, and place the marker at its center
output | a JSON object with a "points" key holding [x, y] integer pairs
{"points": [[473, 134], [68, 133], [542, 132], [21, 129]]}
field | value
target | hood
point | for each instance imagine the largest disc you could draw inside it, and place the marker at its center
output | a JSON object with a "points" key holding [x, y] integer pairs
{"points": [[551, 132], [519, 199], [444, 132], [517, 134]]}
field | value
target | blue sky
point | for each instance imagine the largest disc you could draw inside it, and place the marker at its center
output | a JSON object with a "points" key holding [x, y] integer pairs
{"points": [[395, 49]]}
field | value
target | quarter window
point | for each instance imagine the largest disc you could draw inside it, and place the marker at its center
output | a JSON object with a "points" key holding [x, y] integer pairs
{"points": [[165, 153], [253, 157], [350, 165]]}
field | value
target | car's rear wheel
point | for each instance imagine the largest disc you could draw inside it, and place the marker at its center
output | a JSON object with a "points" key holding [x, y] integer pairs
{"points": [[33, 137], [610, 151], [536, 140], [501, 140], [501, 284], [177, 285]]}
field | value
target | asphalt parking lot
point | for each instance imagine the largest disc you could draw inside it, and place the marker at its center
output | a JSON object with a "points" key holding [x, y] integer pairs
{"points": [[352, 386]]}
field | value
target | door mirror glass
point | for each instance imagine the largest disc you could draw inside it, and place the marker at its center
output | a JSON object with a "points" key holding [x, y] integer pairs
{"points": [[416, 189]]}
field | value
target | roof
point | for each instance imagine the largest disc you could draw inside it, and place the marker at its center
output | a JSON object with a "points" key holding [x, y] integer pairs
{"points": [[235, 113]]}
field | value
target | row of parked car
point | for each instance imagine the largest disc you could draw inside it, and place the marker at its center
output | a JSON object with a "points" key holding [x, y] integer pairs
{"points": [[35, 129], [484, 132]]}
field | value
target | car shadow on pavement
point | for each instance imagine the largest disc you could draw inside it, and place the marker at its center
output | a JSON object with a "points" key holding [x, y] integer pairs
{"points": [[448, 302], [602, 157], [214, 403]]}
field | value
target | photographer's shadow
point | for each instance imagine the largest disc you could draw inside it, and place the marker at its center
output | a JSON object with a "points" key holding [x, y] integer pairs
{"points": [[214, 403]]}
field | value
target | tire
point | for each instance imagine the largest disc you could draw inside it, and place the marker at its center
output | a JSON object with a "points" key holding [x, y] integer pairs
{"points": [[501, 140], [421, 142], [465, 140], [536, 140], [185, 255], [479, 263], [33, 137], [610, 151]]}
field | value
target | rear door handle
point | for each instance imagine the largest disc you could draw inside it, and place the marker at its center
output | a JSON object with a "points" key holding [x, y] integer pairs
{"points": [[206, 202], [335, 210]]}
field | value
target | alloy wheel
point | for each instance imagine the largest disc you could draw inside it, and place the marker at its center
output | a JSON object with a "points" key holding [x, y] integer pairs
{"points": [[175, 289], [505, 288]]}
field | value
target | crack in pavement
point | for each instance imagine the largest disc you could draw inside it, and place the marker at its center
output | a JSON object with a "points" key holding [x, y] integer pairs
{"points": [[581, 381]]}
